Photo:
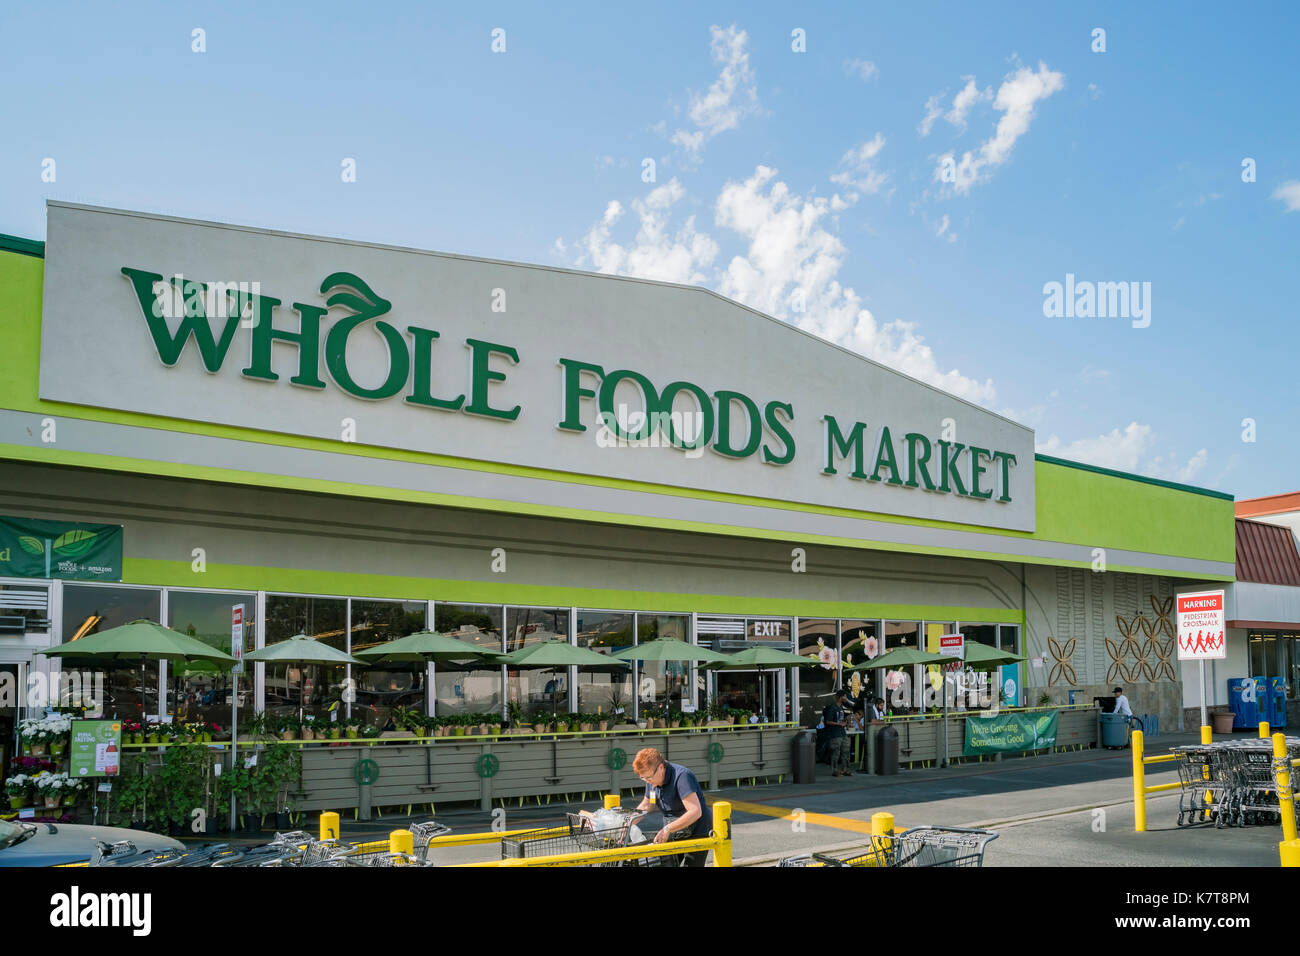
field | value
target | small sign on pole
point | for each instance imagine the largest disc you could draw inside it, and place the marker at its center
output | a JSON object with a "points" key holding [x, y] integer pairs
{"points": [[237, 637], [1201, 627], [954, 646], [1202, 633]]}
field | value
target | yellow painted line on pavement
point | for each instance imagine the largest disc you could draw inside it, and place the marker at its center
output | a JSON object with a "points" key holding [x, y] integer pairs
{"points": [[818, 819]]}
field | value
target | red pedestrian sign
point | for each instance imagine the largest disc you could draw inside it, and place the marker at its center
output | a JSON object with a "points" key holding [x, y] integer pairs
{"points": [[1202, 632]]}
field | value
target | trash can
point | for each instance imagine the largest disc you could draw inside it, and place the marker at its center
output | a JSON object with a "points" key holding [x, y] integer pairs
{"points": [[803, 756], [886, 750], [1114, 730]]}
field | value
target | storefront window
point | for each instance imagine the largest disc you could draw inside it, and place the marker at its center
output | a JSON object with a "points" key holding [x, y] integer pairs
{"points": [[604, 632], [986, 634], [545, 690], [859, 643], [92, 608], [818, 637], [1010, 638], [379, 690], [202, 691], [29, 602], [313, 687], [468, 688], [663, 683]]}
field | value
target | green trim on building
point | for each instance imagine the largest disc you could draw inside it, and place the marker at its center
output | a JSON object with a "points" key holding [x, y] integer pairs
{"points": [[1076, 504], [24, 247], [1128, 475], [309, 581], [259, 480]]}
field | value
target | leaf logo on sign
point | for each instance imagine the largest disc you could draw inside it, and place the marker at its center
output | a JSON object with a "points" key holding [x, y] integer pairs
{"points": [[31, 545], [75, 544]]}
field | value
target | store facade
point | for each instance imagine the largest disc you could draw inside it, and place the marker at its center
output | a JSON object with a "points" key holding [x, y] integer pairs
{"points": [[357, 442]]}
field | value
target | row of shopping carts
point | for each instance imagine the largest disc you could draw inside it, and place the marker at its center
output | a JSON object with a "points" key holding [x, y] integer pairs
{"points": [[1230, 782], [923, 846], [297, 848]]}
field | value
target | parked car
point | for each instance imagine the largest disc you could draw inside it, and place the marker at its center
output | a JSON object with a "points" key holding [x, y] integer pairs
{"points": [[50, 844]]}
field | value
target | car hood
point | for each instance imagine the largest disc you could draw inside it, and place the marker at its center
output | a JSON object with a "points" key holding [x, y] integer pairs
{"points": [[56, 843]]}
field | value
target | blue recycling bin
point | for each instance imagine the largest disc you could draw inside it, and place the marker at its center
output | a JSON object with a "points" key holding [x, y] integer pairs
{"points": [[1243, 697], [1271, 702], [1114, 730], [1279, 702]]}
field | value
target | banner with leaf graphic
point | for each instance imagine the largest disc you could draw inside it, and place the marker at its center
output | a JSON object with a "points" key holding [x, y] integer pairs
{"points": [[32, 548], [1010, 733]]}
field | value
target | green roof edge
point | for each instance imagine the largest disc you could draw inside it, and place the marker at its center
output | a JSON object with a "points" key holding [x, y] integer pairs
{"points": [[26, 247], [1132, 477]]}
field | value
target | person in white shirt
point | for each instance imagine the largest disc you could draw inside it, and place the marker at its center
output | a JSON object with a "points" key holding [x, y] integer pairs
{"points": [[1121, 703]]}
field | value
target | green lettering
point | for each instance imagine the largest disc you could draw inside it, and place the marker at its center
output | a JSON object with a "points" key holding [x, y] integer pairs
{"points": [[574, 393], [421, 384], [307, 338], [353, 293], [707, 419], [780, 431], [916, 463], [212, 352], [754, 428], [885, 456], [837, 444], [481, 376], [1007, 460], [977, 471], [649, 398], [948, 455]]}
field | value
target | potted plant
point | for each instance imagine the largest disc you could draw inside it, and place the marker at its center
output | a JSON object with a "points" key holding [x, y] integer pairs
{"points": [[152, 735], [288, 728], [19, 788], [515, 714], [352, 728], [1222, 719], [33, 736]]}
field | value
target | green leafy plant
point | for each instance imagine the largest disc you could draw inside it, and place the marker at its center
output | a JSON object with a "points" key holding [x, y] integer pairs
{"points": [[515, 713]]}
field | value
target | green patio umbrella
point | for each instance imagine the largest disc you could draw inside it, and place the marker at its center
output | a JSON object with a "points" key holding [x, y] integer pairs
{"points": [[669, 649], [557, 654], [899, 658], [981, 655], [761, 659], [301, 649], [425, 646], [140, 640]]}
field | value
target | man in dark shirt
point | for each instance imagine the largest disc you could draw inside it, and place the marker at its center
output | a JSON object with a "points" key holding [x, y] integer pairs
{"points": [[677, 793], [837, 742]]}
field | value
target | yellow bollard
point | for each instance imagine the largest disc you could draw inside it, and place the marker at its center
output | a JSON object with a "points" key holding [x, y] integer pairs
{"points": [[1139, 785], [882, 831], [1285, 798], [1290, 852], [1263, 730], [401, 841], [613, 801], [1207, 736], [329, 825], [722, 829]]}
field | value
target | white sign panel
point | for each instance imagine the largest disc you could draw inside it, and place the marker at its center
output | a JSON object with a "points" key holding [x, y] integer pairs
{"points": [[237, 637], [1202, 632], [953, 645], [516, 364]]}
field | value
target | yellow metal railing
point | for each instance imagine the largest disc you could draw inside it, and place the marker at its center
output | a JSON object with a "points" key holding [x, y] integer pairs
{"points": [[1140, 788]]}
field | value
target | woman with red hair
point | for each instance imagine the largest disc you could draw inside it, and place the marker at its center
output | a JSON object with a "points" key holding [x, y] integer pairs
{"points": [[677, 793]]}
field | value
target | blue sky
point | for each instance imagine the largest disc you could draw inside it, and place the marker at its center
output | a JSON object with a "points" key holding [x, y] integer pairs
{"points": [[780, 177]]}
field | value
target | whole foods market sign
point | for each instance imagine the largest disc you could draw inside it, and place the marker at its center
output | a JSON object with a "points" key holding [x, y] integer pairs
{"points": [[508, 363]]}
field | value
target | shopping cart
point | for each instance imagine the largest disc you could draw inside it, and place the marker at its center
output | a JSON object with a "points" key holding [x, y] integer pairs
{"points": [[1205, 783], [922, 846], [579, 835]]}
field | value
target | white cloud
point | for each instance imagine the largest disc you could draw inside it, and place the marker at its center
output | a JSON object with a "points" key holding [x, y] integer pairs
{"points": [[932, 112], [1016, 98], [1121, 450], [1289, 193], [864, 69], [856, 170], [789, 249], [733, 95], [656, 252], [1128, 450], [969, 95], [943, 228], [1089, 375]]}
